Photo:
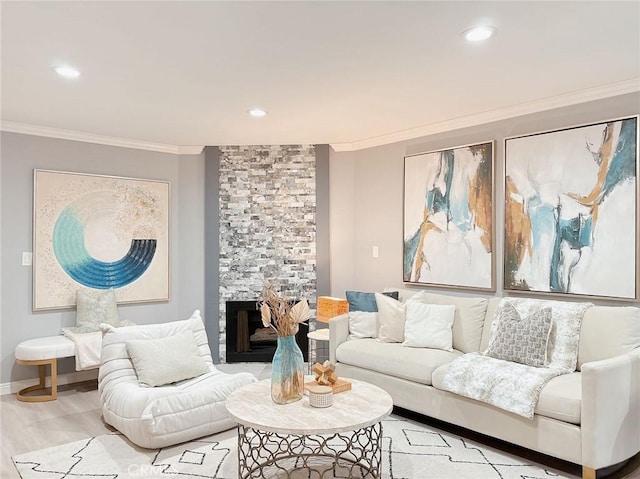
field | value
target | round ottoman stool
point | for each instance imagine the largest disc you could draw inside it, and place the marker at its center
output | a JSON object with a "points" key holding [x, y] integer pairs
{"points": [[40, 352]]}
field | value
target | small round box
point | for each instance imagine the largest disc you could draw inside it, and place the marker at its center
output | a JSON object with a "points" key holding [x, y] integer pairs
{"points": [[320, 396]]}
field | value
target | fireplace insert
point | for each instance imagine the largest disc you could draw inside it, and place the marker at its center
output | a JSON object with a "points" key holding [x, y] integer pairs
{"points": [[247, 338]]}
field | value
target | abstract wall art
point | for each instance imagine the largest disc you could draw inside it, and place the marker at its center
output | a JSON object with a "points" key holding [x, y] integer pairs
{"points": [[449, 218], [99, 232], [571, 219]]}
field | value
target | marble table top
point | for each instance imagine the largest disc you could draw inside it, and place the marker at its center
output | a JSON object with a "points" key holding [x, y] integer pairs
{"points": [[362, 406]]}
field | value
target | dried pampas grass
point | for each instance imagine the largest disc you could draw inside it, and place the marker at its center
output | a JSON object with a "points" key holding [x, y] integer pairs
{"points": [[277, 312]]}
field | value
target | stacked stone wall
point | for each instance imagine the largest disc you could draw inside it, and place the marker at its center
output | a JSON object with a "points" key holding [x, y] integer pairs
{"points": [[267, 223]]}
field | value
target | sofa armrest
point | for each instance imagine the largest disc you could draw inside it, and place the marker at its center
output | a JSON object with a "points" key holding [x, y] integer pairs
{"points": [[338, 334], [610, 410]]}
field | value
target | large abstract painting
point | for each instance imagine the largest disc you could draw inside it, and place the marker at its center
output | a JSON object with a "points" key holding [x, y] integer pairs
{"points": [[99, 232], [571, 222], [448, 218]]}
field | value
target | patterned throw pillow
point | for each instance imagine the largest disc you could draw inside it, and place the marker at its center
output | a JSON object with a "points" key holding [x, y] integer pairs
{"points": [[521, 340], [95, 307]]}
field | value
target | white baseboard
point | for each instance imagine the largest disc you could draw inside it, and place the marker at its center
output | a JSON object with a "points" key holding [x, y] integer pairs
{"points": [[69, 378]]}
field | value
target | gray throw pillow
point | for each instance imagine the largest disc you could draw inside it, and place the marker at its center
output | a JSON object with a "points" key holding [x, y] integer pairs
{"points": [[521, 340]]}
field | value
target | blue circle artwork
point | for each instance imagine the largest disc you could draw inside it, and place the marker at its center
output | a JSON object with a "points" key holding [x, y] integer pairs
{"points": [[71, 252]]}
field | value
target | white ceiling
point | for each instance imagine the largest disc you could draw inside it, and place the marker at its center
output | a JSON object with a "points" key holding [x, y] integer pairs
{"points": [[352, 74]]}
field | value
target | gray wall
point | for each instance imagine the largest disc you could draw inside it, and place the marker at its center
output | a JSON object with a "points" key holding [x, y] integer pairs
{"points": [[366, 192], [323, 240], [19, 156], [365, 209], [212, 245]]}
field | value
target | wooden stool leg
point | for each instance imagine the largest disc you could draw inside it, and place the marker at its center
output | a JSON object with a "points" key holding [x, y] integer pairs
{"points": [[54, 379], [43, 375], [53, 364]]}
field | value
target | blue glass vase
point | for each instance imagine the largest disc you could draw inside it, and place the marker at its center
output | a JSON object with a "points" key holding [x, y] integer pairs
{"points": [[287, 371]]}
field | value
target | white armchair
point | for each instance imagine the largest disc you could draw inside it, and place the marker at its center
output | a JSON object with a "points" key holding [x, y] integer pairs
{"points": [[160, 416]]}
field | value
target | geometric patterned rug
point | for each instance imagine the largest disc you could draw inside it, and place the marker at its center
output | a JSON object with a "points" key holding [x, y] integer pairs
{"points": [[411, 450]]}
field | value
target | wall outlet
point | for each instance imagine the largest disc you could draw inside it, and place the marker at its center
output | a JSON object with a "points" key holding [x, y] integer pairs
{"points": [[27, 258]]}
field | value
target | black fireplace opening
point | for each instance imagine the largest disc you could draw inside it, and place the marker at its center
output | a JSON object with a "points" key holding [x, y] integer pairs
{"points": [[248, 340]]}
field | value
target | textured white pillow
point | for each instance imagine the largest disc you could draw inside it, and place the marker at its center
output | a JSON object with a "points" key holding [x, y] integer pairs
{"points": [[429, 325], [363, 324], [95, 307], [391, 315], [166, 360]]}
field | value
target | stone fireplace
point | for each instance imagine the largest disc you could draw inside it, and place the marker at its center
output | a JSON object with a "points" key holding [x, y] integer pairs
{"points": [[247, 339], [267, 231]]}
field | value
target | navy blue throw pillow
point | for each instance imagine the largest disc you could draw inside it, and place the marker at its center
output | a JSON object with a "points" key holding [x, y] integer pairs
{"points": [[359, 301]]}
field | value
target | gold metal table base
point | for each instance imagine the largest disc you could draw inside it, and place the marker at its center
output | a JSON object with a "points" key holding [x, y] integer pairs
{"points": [[352, 454]]}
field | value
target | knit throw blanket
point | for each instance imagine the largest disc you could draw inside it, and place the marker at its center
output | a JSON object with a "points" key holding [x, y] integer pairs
{"points": [[512, 386], [88, 348]]}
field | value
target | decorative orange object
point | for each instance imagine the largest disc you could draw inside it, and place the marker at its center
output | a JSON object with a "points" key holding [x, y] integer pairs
{"points": [[328, 307]]}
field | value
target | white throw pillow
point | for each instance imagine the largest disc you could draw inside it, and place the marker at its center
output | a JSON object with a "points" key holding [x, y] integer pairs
{"points": [[429, 325], [391, 316], [94, 307], [363, 324], [166, 360]]}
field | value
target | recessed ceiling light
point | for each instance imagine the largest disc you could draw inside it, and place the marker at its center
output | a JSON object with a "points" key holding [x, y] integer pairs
{"points": [[477, 34], [257, 113], [67, 72]]}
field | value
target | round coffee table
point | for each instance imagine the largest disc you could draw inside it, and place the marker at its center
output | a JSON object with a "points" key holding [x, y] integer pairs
{"points": [[275, 440]]}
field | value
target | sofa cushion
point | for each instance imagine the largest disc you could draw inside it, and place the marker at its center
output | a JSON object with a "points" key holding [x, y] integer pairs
{"points": [[560, 399], [469, 318], [607, 332], [413, 364]]}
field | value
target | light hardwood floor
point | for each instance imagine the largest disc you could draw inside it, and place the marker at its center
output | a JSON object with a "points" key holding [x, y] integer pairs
{"points": [[76, 415], [28, 427]]}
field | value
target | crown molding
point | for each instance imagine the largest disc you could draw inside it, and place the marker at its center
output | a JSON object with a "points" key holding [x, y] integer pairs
{"points": [[573, 98], [27, 129], [190, 150]]}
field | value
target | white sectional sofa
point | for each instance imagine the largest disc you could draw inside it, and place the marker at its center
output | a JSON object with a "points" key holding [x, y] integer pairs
{"points": [[589, 417]]}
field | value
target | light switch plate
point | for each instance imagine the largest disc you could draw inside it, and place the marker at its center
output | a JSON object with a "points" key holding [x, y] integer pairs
{"points": [[27, 258]]}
